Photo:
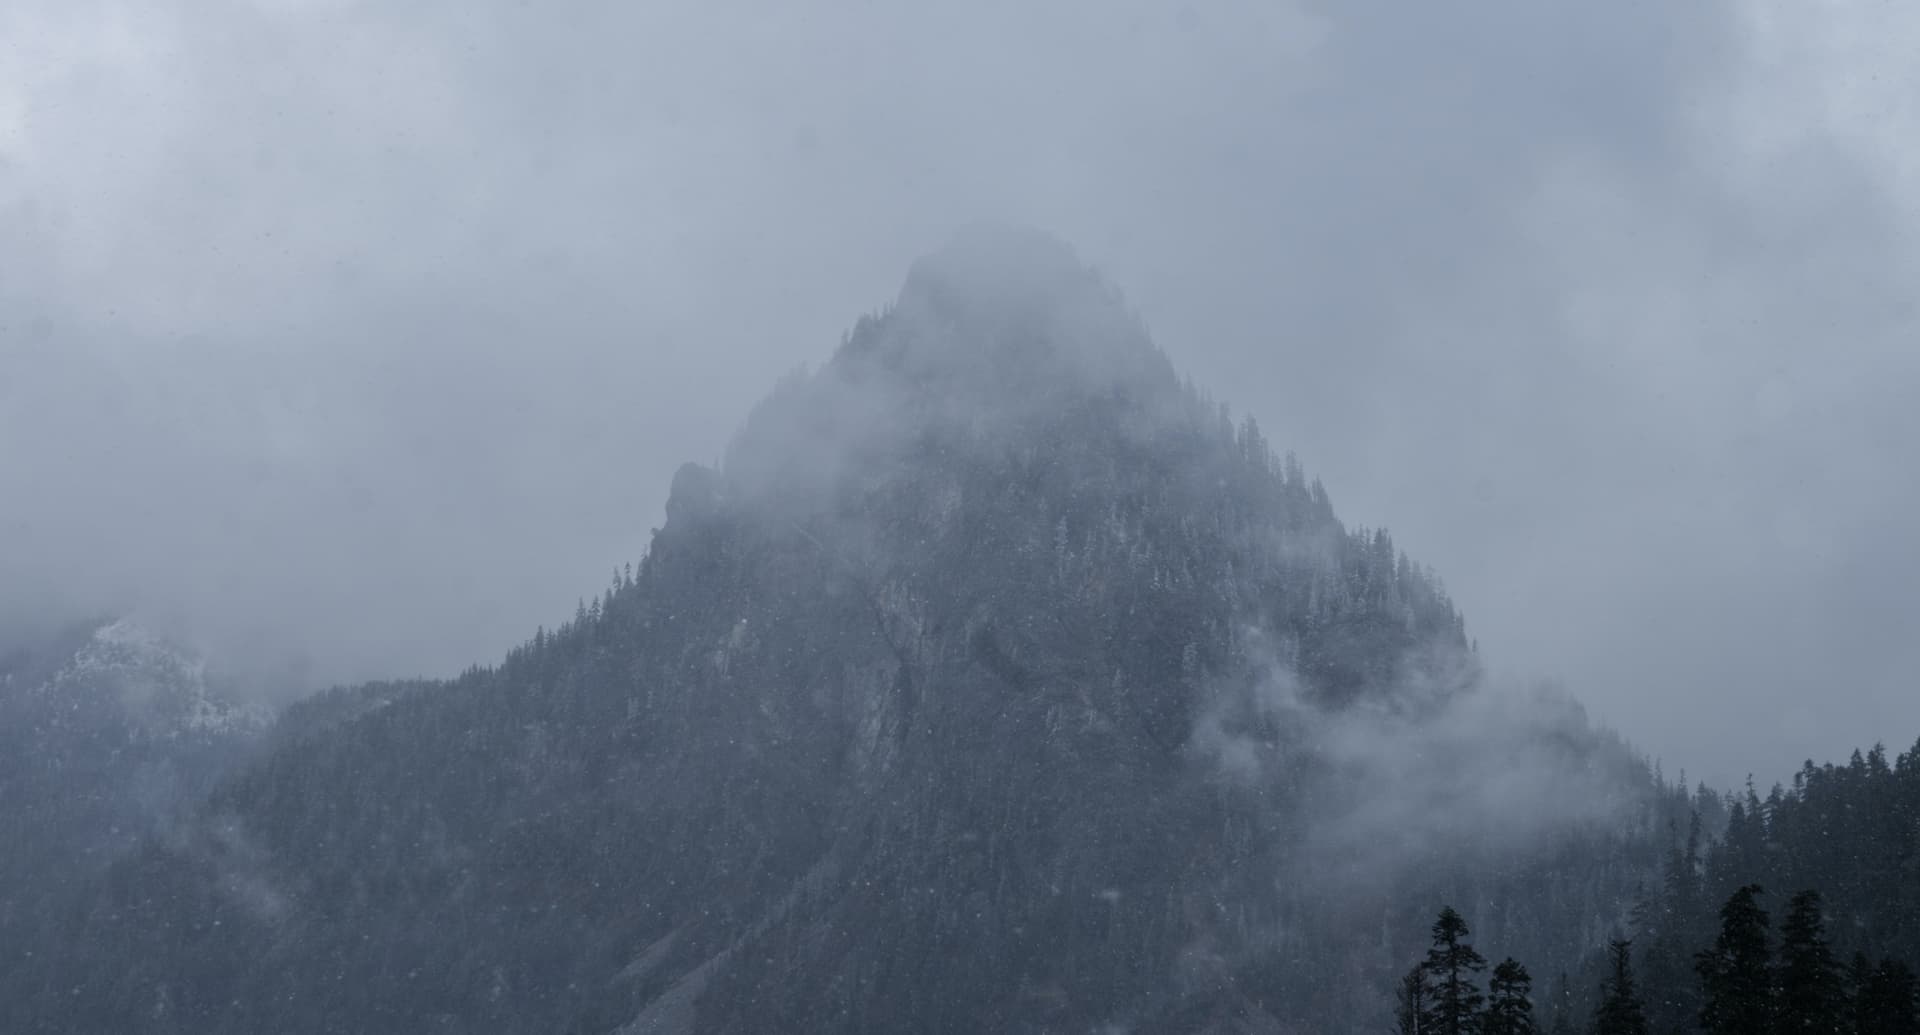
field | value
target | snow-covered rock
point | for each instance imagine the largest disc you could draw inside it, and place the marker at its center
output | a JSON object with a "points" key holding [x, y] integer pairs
{"points": [[145, 686]]}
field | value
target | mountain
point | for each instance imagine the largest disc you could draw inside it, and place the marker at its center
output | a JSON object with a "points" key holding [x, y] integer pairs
{"points": [[108, 734], [997, 681]]}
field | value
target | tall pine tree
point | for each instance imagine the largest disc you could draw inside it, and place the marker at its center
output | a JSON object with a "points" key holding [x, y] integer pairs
{"points": [[1664, 947], [1455, 1000], [1736, 975], [1509, 1002], [1410, 1003], [1620, 1012], [1811, 997]]}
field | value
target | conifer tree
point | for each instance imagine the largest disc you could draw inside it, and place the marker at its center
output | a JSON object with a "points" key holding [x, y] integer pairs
{"points": [[1509, 1002], [1620, 1012], [1811, 997], [1455, 1000], [1410, 1002], [1735, 974], [1683, 871]]}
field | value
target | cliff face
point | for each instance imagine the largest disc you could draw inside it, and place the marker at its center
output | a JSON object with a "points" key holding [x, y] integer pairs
{"points": [[988, 687]]}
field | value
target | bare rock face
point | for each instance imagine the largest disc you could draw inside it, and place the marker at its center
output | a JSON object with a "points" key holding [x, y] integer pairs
{"points": [[695, 493]]}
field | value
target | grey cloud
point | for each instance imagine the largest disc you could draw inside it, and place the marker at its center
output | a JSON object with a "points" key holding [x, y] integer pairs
{"points": [[371, 334]]}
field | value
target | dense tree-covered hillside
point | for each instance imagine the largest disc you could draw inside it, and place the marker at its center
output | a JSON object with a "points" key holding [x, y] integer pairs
{"points": [[1850, 832], [999, 681], [108, 734]]}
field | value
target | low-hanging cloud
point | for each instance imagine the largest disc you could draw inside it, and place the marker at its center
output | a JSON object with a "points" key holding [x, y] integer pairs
{"points": [[1484, 771]]}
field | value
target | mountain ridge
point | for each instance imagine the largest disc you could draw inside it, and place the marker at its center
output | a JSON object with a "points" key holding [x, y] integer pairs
{"points": [[996, 680]]}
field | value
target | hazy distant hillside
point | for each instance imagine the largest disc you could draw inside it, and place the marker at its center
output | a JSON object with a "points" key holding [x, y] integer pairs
{"points": [[999, 681], [108, 734]]}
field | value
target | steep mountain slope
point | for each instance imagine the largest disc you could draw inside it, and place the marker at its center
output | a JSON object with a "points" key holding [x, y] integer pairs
{"points": [[108, 734], [998, 682]]}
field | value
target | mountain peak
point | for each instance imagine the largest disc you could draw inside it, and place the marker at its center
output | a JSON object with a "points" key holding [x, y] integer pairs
{"points": [[1011, 312], [990, 641], [992, 337], [998, 268]]}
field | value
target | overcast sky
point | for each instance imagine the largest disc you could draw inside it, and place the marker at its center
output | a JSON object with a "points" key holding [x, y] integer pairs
{"points": [[361, 337]]}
